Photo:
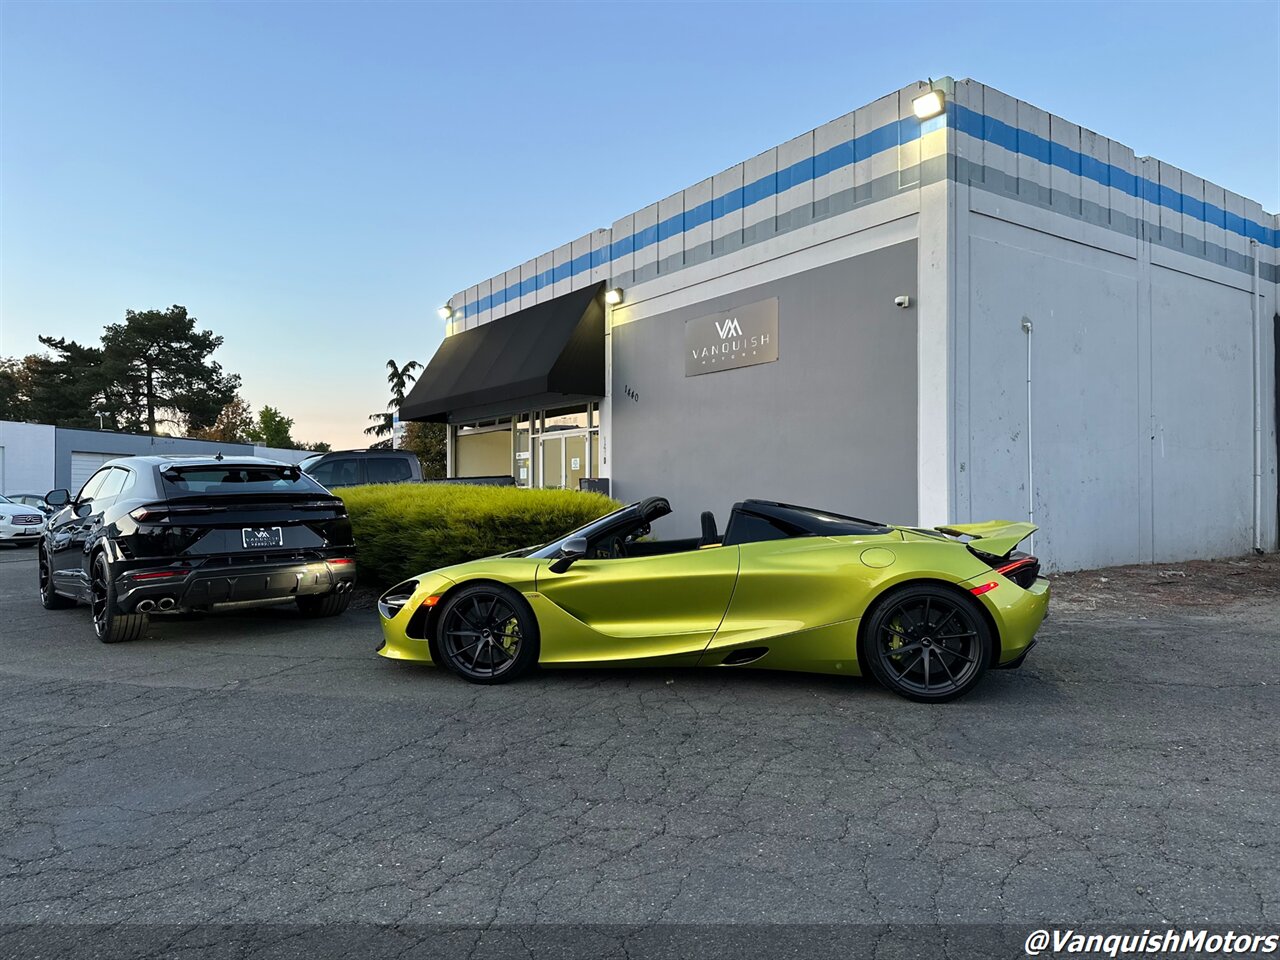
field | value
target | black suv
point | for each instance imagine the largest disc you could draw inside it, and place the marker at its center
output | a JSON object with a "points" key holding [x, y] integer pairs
{"points": [[350, 468], [182, 534]]}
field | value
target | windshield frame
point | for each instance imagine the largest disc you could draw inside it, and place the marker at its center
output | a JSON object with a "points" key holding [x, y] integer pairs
{"points": [[553, 549]]}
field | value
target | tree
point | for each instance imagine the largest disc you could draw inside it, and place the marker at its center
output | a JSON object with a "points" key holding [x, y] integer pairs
{"points": [[320, 447], [233, 425], [157, 370], [15, 383], [427, 440], [69, 388], [272, 429], [399, 379]]}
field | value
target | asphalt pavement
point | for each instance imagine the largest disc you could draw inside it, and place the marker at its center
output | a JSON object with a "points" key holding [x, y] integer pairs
{"points": [[258, 767]]}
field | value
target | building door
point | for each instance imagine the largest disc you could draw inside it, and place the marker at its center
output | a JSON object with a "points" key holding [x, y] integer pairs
{"points": [[84, 464], [564, 459], [551, 462]]}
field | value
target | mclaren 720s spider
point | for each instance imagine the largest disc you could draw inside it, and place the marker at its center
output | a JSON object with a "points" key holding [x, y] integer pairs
{"points": [[925, 612]]}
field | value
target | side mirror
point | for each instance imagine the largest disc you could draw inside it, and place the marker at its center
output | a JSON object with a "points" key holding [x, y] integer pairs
{"points": [[58, 498], [573, 550]]}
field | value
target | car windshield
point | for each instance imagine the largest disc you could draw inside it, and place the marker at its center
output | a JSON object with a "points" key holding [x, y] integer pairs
{"points": [[4, 499], [308, 462], [588, 530], [233, 479]]}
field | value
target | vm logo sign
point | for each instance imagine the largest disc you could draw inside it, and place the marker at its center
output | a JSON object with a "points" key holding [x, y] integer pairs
{"points": [[729, 328]]}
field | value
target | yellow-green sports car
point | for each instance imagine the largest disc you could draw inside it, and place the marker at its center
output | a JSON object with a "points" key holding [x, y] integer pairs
{"points": [[925, 612]]}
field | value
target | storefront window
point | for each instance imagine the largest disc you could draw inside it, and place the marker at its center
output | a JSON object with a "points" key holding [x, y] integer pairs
{"points": [[548, 448]]}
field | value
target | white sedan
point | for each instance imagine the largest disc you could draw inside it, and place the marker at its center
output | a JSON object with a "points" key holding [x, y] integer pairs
{"points": [[19, 523]]}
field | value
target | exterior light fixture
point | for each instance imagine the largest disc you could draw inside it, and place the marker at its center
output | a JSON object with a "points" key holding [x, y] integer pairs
{"points": [[929, 105], [613, 296], [445, 312]]}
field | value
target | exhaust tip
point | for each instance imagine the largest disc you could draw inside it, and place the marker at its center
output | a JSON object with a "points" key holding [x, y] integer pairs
{"points": [[146, 606], [167, 603]]}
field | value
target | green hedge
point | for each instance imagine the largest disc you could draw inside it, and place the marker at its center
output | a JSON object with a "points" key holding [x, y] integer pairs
{"points": [[407, 528]]}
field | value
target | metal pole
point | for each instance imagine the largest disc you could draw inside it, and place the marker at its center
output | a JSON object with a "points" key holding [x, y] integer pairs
{"points": [[1258, 546], [1031, 489]]}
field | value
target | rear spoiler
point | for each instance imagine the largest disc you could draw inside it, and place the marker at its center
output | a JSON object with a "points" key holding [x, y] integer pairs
{"points": [[995, 538]]}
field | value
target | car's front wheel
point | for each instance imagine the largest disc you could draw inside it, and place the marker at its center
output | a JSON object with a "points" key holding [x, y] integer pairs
{"points": [[926, 643], [50, 599], [487, 634], [109, 623]]}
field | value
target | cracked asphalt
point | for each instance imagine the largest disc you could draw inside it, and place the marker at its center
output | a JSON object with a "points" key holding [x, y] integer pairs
{"points": [[263, 768]]}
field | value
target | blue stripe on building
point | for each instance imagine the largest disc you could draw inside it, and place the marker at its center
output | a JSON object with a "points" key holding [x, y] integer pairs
{"points": [[888, 137]]}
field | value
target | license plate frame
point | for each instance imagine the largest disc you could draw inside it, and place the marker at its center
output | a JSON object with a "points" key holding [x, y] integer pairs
{"points": [[261, 538]]}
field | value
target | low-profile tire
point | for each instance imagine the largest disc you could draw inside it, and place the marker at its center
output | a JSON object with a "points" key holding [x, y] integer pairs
{"points": [[109, 623], [50, 599], [323, 604], [487, 634], [926, 643]]}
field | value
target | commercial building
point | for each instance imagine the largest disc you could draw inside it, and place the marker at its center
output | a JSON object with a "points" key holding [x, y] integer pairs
{"points": [[947, 305], [37, 458]]}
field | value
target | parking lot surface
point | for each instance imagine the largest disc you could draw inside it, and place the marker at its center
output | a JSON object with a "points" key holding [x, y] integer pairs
{"points": [[261, 767]]}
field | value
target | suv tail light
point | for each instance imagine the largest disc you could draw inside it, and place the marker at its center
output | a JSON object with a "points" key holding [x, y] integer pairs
{"points": [[149, 514]]}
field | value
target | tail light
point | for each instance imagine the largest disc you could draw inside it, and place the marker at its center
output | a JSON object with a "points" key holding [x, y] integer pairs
{"points": [[149, 514], [1020, 568]]}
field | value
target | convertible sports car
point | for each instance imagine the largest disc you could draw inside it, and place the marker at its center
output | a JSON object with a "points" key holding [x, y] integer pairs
{"points": [[925, 612]]}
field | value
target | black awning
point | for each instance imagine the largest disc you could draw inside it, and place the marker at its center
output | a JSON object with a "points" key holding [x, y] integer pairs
{"points": [[547, 355]]}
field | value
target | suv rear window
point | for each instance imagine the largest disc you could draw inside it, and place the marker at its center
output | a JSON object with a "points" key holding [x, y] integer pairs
{"points": [[230, 480], [387, 469]]}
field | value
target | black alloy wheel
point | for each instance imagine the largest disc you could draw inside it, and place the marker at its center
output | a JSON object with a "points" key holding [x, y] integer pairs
{"points": [[50, 599], [487, 634], [927, 643], [109, 623]]}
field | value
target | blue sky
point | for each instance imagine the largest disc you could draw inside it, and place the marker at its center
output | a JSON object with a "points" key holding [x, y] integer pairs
{"points": [[312, 180]]}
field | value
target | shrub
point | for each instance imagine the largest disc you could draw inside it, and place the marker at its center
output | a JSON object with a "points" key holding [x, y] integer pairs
{"points": [[407, 528]]}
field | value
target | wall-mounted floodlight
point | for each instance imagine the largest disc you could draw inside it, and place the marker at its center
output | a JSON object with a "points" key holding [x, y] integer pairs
{"points": [[613, 297], [929, 105], [445, 312]]}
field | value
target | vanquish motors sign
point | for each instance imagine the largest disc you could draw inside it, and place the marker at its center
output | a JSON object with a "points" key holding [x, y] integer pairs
{"points": [[736, 338]]}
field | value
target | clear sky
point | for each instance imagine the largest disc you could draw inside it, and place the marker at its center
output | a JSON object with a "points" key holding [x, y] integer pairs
{"points": [[312, 180]]}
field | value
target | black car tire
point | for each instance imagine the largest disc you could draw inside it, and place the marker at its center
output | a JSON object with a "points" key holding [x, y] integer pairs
{"points": [[926, 642], [50, 599], [323, 604], [109, 623], [489, 622]]}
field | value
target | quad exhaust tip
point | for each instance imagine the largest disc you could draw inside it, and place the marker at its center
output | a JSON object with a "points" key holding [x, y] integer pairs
{"points": [[146, 606], [167, 603]]}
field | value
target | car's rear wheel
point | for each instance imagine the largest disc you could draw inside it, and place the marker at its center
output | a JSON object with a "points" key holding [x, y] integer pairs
{"points": [[50, 599], [109, 623], [487, 634], [324, 604], [927, 643]]}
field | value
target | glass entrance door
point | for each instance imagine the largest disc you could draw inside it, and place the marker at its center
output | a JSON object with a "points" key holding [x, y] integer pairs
{"points": [[551, 462], [564, 459]]}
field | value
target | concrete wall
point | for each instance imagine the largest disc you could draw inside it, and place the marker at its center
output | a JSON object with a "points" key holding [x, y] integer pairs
{"points": [[26, 457], [1138, 279], [831, 423]]}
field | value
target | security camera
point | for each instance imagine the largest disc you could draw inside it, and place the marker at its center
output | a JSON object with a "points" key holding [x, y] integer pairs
{"points": [[902, 301]]}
